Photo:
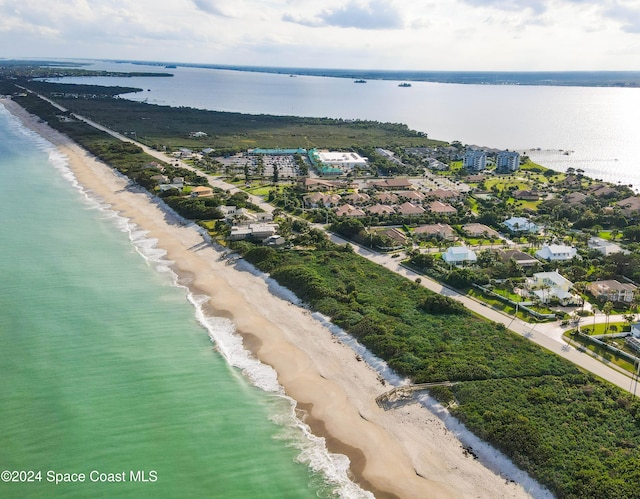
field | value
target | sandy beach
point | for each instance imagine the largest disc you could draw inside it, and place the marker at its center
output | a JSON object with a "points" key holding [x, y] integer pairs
{"points": [[405, 453]]}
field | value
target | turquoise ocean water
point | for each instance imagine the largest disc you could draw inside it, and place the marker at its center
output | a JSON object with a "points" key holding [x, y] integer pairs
{"points": [[107, 367]]}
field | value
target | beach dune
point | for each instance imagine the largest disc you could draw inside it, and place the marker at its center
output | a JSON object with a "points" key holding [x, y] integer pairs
{"points": [[404, 453]]}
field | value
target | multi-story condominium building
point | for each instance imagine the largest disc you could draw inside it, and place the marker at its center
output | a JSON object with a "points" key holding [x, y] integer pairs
{"points": [[475, 160], [507, 161]]}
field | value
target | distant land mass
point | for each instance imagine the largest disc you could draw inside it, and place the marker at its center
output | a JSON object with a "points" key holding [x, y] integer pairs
{"points": [[549, 78]]}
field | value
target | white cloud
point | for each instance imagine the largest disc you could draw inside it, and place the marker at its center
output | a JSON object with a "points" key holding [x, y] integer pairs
{"points": [[393, 34], [369, 15]]}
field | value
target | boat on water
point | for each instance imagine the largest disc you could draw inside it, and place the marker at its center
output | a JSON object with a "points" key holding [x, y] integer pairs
{"points": [[404, 85], [360, 81]]}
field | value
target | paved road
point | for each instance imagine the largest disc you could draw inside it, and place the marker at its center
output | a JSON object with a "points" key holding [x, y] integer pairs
{"points": [[548, 336]]}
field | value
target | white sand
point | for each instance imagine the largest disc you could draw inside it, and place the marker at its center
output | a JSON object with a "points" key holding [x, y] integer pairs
{"points": [[406, 452]]}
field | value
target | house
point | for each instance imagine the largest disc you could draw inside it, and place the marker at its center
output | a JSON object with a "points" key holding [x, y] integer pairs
{"points": [[474, 160], [387, 197], [556, 252], [442, 208], [479, 230], [410, 209], [411, 195], [507, 161], [201, 192], [346, 210], [525, 195], [253, 231], [447, 194], [520, 257], [603, 190], [242, 216], [320, 199], [161, 179], [456, 255], [380, 209], [520, 224], [575, 198], [603, 246], [317, 184], [392, 183], [397, 237], [440, 231], [357, 198], [630, 206], [613, 290], [547, 286]]}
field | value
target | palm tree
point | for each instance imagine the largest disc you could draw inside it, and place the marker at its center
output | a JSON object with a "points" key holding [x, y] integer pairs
{"points": [[606, 309], [595, 311]]}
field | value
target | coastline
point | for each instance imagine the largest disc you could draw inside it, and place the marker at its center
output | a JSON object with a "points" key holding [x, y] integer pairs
{"points": [[407, 452]]}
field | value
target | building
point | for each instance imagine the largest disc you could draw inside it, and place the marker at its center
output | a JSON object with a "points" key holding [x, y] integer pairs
{"points": [[527, 195], [253, 231], [410, 209], [575, 198], [474, 160], [321, 199], [520, 224], [346, 210], [402, 183], [547, 286], [479, 230], [387, 197], [613, 290], [630, 206], [341, 160], [442, 208], [507, 161], [457, 255], [556, 252], [520, 257], [603, 246], [380, 209], [440, 231], [201, 192], [357, 198], [446, 194]]}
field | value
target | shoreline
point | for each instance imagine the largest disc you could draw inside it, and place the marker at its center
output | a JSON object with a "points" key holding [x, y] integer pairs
{"points": [[403, 453]]}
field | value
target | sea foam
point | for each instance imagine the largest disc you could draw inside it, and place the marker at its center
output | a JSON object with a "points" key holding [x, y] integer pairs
{"points": [[312, 449]]}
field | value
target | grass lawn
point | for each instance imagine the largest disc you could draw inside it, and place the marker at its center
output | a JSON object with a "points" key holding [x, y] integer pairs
{"points": [[608, 356]]}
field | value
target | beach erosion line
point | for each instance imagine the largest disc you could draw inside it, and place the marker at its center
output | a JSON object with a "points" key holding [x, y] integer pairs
{"points": [[398, 474]]}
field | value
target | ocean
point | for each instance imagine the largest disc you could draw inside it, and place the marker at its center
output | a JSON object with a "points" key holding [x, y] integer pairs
{"points": [[592, 128], [114, 382]]}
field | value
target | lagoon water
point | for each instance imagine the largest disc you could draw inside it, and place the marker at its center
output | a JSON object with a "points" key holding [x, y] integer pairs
{"points": [[106, 368], [592, 128]]}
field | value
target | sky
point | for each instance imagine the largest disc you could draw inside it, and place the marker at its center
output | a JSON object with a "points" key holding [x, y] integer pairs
{"points": [[430, 35]]}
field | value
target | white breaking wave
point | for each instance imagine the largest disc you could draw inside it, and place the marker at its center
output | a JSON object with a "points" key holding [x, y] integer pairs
{"points": [[313, 451], [486, 454]]}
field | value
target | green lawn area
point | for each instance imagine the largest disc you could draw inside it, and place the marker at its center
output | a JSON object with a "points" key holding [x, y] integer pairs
{"points": [[608, 356], [614, 327]]}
